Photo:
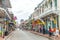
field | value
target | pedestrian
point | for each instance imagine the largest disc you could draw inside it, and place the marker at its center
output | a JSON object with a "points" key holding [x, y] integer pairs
{"points": [[57, 32], [43, 30], [40, 30], [50, 31], [54, 31]]}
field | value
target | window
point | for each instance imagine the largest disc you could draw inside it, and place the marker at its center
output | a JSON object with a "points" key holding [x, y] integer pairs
{"points": [[3, 3], [0, 3], [46, 4], [40, 11], [42, 8], [50, 3], [55, 3], [3, 0]]}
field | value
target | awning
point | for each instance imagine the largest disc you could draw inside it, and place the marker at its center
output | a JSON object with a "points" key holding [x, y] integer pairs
{"points": [[38, 21]]}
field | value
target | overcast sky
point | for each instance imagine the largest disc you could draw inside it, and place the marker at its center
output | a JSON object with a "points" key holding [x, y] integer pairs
{"points": [[23, 8]]}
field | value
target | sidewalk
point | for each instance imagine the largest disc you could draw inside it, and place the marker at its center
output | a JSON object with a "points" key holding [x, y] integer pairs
{"points": [[6, 37], [1, 38], [46, 35]]}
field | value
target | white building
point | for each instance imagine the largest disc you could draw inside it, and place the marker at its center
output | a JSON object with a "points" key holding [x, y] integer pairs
{"points": [[49, 12]]}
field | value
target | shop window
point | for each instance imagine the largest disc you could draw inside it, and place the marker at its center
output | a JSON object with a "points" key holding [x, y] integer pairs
{"points": [[48, 24], [53, 24]]}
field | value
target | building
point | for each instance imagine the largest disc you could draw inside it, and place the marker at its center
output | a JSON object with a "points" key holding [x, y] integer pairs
{"points": [[4, 16], [48, 11]]}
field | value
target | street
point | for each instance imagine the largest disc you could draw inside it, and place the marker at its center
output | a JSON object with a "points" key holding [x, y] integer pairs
{"points": [[30, 19], [25, 35]]}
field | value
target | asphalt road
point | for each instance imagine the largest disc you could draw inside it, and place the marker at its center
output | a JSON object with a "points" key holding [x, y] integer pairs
{"points": [[25, 35]]}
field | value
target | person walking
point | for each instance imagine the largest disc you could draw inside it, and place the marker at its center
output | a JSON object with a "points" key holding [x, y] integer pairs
{"points": [[57, 32], [50, 31], [54, 31], [43, 30]]}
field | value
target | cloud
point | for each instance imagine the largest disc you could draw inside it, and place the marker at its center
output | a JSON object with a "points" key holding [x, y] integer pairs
{"points": [[23, 8]]}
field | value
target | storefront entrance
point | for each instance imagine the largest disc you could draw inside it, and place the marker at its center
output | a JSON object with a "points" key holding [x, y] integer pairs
{"points": [[51, 21]]}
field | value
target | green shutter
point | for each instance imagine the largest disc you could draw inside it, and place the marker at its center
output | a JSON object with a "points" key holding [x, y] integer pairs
{"points": [[55, 4], [51, 4]]}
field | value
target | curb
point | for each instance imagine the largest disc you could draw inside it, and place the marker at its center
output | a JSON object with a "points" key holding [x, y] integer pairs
{"points": [[8, 35], [40, 35]]}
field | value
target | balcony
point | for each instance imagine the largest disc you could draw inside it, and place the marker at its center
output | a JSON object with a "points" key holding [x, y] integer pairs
{"points": [[2, 13], [50, 11]]}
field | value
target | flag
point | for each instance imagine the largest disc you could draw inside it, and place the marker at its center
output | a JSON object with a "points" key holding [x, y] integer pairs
{"points": [[14, 17]]}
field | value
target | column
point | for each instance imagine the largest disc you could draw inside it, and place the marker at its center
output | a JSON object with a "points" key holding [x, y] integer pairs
{"points": [[41, 9], [47, 28], [51, 19], [45, 24], [51, 23], [56, 22], [44, 6], [59, 21]]}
